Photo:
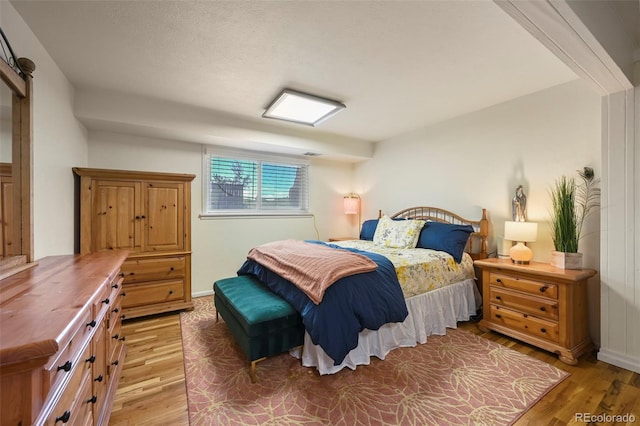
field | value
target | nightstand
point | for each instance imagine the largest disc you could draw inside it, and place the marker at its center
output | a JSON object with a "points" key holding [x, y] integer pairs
{"points": [[342, 238], [538, 304]]}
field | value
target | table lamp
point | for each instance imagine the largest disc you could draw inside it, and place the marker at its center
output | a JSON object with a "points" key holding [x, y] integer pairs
{"points": [[521, 232]]}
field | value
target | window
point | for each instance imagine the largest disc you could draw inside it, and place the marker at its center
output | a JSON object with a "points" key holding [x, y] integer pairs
{"points": [[254, 184]]}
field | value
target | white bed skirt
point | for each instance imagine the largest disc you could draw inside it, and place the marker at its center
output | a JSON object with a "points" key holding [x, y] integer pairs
{"points": [[429, 313]]}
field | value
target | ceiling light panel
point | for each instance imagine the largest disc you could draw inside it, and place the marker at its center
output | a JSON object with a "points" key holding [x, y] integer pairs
{"points": [[302, 108]]}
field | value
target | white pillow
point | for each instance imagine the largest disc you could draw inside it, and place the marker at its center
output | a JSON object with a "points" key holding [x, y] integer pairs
{"points": [[397, 233]]}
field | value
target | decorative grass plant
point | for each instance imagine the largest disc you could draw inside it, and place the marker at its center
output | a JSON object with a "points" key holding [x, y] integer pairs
{"points": [[572, 203]]}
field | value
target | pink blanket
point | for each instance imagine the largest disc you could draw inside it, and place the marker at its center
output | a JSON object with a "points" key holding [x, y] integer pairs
{"points": [[311, 267]]}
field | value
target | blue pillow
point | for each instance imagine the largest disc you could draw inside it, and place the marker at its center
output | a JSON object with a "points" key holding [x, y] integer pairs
{"points": [[368, 229], [445, 237]]}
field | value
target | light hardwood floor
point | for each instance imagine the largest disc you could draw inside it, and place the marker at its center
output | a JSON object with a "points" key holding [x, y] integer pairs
{"points": [[152, 389]]}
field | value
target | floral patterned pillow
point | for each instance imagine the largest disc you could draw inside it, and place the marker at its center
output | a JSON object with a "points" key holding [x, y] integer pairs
{"points": [[397, 233]]}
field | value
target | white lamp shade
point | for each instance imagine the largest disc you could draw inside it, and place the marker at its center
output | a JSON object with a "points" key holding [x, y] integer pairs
{"points": [[351, 204], [520, 231]]}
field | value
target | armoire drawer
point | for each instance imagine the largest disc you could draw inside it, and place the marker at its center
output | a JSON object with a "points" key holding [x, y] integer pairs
{"points": [[537, 288], [154, 269], [538, 306], [529, 324], [149, 293]]}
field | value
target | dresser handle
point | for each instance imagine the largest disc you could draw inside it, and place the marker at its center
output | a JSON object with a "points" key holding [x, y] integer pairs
{"points": [[91, 324], [122, 274], [170, 291], [499, 297], [91, 359], [122, 338], [115, 311], [498, 316], [123, 294], [106, 301], [498, 280], [92, 400], [115, 336], [123, 316], [544, 330], [98, 379], [171, 269], [543, 288], [66, 367], [115, 362], [64, 418], [116, 285], [543, 309]]}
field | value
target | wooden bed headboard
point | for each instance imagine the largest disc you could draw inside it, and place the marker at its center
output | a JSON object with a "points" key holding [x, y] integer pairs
{"points": [[436, 214]]}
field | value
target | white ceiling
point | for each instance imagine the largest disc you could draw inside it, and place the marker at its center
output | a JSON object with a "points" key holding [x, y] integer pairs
{"points": [[397, 65]]}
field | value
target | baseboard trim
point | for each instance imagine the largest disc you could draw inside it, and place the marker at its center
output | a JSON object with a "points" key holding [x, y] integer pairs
{"points": [[619, 360], [202, 293]]}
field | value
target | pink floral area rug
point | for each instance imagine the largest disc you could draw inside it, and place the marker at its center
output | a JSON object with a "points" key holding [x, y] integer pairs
{"points": [[457, 379]]}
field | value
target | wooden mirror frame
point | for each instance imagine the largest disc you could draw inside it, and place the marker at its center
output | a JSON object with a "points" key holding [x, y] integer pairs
{"points": [[21, 86]]}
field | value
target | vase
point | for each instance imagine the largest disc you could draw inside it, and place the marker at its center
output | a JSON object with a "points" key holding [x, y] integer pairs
{"points": [[564, 260]]}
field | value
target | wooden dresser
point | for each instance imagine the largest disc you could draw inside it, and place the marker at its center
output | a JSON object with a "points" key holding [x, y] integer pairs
{"points": [[61, 352], [538, 304], [148, 214]]}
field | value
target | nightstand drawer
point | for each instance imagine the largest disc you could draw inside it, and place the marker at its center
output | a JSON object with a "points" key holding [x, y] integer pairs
{"points": [[538, 288], [537, 306], [525, 323]]}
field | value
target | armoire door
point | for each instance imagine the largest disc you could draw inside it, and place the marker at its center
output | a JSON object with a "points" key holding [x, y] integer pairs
{"points": [[117, 216], [164, 211]]}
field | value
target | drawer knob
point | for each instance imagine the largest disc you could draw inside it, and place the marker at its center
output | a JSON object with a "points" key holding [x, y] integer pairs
{"points": [[543, 309], [91, 324], [64, 418], [123, 294], [498, 316], [499, 297], [106, 301], [115, 362], [98, 379], [115, 336], [498, 280], [116, 285], [123, 316], [543, 288], [170, 291], [115, 311], [171, 269], [66, 366], [91, 359], [92, 400], [122, 338], [544, 330]]}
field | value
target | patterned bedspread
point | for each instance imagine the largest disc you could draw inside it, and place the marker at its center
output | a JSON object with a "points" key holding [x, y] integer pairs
{"points": [[419, 270]]}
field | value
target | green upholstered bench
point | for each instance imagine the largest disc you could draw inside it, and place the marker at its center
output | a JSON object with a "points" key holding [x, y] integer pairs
{"points": [[262, 322]]}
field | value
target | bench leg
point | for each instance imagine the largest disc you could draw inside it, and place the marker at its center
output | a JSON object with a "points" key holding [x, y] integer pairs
{"points": [[217, 317], [252, 371]]}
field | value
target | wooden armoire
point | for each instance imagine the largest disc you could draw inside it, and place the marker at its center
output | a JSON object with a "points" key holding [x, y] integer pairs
{"points": [[148, 214]]}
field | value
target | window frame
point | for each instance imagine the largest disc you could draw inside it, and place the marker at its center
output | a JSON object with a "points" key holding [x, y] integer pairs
{"points": [[209, 151]]}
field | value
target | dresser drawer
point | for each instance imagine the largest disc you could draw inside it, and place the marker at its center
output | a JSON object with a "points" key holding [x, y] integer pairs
{"points": [[64, 363], [525, 323], [538, 288], [145, 294], [538, 306], [155, 269], [73, 405]]}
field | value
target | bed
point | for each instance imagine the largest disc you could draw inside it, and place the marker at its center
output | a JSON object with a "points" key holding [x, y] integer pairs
{"points": [[435, 280]]}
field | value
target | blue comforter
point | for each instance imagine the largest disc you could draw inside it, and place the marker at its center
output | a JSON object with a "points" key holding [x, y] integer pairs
{"points": [[368, 300]]}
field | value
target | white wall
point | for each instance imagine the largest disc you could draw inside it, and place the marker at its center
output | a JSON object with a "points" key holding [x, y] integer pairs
{"points": [[59, 141], [220, 246], [476, 161]]}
